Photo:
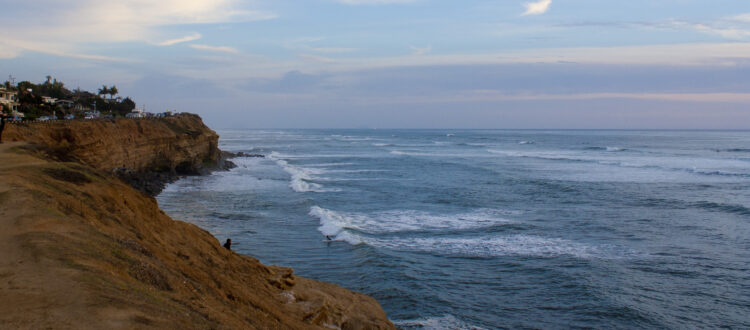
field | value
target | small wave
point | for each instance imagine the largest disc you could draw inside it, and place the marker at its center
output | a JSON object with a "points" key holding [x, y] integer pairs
{"points": [[611, 149], [637, 163], [328, 164], [383, 144], [733, 150], [435, 323], [727, 208], [355, 171], [425, 154], [526, 142]]}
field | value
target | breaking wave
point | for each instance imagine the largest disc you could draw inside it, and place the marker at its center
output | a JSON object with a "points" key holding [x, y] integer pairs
{"points": [[301, 177]]}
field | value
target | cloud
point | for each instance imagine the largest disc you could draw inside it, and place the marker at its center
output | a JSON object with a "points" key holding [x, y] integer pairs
{"points": [[171, 42], [536, 8], [315, 58], [745, 18], [77, 24], [420, 50], [716, 28], [221, 49]]}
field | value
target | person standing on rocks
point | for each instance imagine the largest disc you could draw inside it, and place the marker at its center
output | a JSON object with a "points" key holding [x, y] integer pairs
{"points": [[228, 244]]}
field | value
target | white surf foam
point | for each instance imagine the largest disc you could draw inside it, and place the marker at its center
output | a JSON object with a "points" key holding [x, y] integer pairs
{"points": [[407, 220], [493, 246], [301, 176], [374, 229], [436, 323]]}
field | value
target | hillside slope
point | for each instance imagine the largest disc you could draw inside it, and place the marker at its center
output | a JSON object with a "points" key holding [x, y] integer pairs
{"points": [[81, 249]]}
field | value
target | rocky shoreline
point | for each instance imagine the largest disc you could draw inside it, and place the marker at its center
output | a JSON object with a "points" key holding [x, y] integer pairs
{"points": [[80, 248]]}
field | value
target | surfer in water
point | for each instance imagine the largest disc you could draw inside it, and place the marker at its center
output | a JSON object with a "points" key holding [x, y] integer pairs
{"points": [[329, 238]]}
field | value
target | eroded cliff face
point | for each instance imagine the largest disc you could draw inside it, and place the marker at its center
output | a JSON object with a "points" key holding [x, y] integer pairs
{"points": [[181, 144], [81, 249]]}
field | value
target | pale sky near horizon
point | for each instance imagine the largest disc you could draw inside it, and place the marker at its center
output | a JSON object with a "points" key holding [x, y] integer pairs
{"points": [[399, 63]]}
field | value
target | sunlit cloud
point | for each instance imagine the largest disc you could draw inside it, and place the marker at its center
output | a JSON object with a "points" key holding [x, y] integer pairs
{"points": [[79, 23], [188, 38], [536, 8]]}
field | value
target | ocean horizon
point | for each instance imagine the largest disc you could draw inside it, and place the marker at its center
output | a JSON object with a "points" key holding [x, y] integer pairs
{"points": [[482, 228]]}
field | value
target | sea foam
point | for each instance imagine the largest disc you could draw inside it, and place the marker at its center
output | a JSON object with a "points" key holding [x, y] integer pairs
{"points": [[407, 220], [382, 230]]}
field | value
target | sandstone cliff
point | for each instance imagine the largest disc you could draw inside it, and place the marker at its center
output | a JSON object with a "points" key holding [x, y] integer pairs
{"points": [[180, 144], [81, 249], [146, 152]]}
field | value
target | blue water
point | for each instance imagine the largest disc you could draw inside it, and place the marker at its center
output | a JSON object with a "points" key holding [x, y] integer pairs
{"points": [[491, 229]]}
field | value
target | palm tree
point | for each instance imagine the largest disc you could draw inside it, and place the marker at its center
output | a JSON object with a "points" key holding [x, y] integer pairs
{"points": [[104, 90], [113, 91]]}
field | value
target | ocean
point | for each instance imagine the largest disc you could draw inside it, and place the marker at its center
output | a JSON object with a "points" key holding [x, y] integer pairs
{"points": [[472, 229]]}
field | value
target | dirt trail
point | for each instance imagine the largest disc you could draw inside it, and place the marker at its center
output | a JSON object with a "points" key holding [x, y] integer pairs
{"points": [[34, 289]]}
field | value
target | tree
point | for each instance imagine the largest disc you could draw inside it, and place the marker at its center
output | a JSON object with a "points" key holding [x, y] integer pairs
{"points": [[104, 90], [113, 91]]}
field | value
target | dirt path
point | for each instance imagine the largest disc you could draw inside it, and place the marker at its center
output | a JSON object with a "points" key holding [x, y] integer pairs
{"points": [[32, 285]]}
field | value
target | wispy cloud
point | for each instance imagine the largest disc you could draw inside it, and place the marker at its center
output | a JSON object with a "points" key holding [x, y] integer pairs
{"points": [[315, 58], [716, 28], [741, 18], [536, 8], [188, 38], [420, 50], [220, 49]]}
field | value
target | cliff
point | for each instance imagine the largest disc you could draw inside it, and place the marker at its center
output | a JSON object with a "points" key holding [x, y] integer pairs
{"points": [[180, 144], [81, 249], [145, 153]]}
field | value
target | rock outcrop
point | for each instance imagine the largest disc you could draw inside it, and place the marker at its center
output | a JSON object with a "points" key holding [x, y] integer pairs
{"points": [[81, 249]]}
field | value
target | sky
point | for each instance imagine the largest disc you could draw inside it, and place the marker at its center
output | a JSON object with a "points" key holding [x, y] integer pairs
{"points": [[573, 64]]}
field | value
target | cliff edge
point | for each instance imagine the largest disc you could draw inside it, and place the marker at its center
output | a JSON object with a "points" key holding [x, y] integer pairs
{"points": [[81, 249]]}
